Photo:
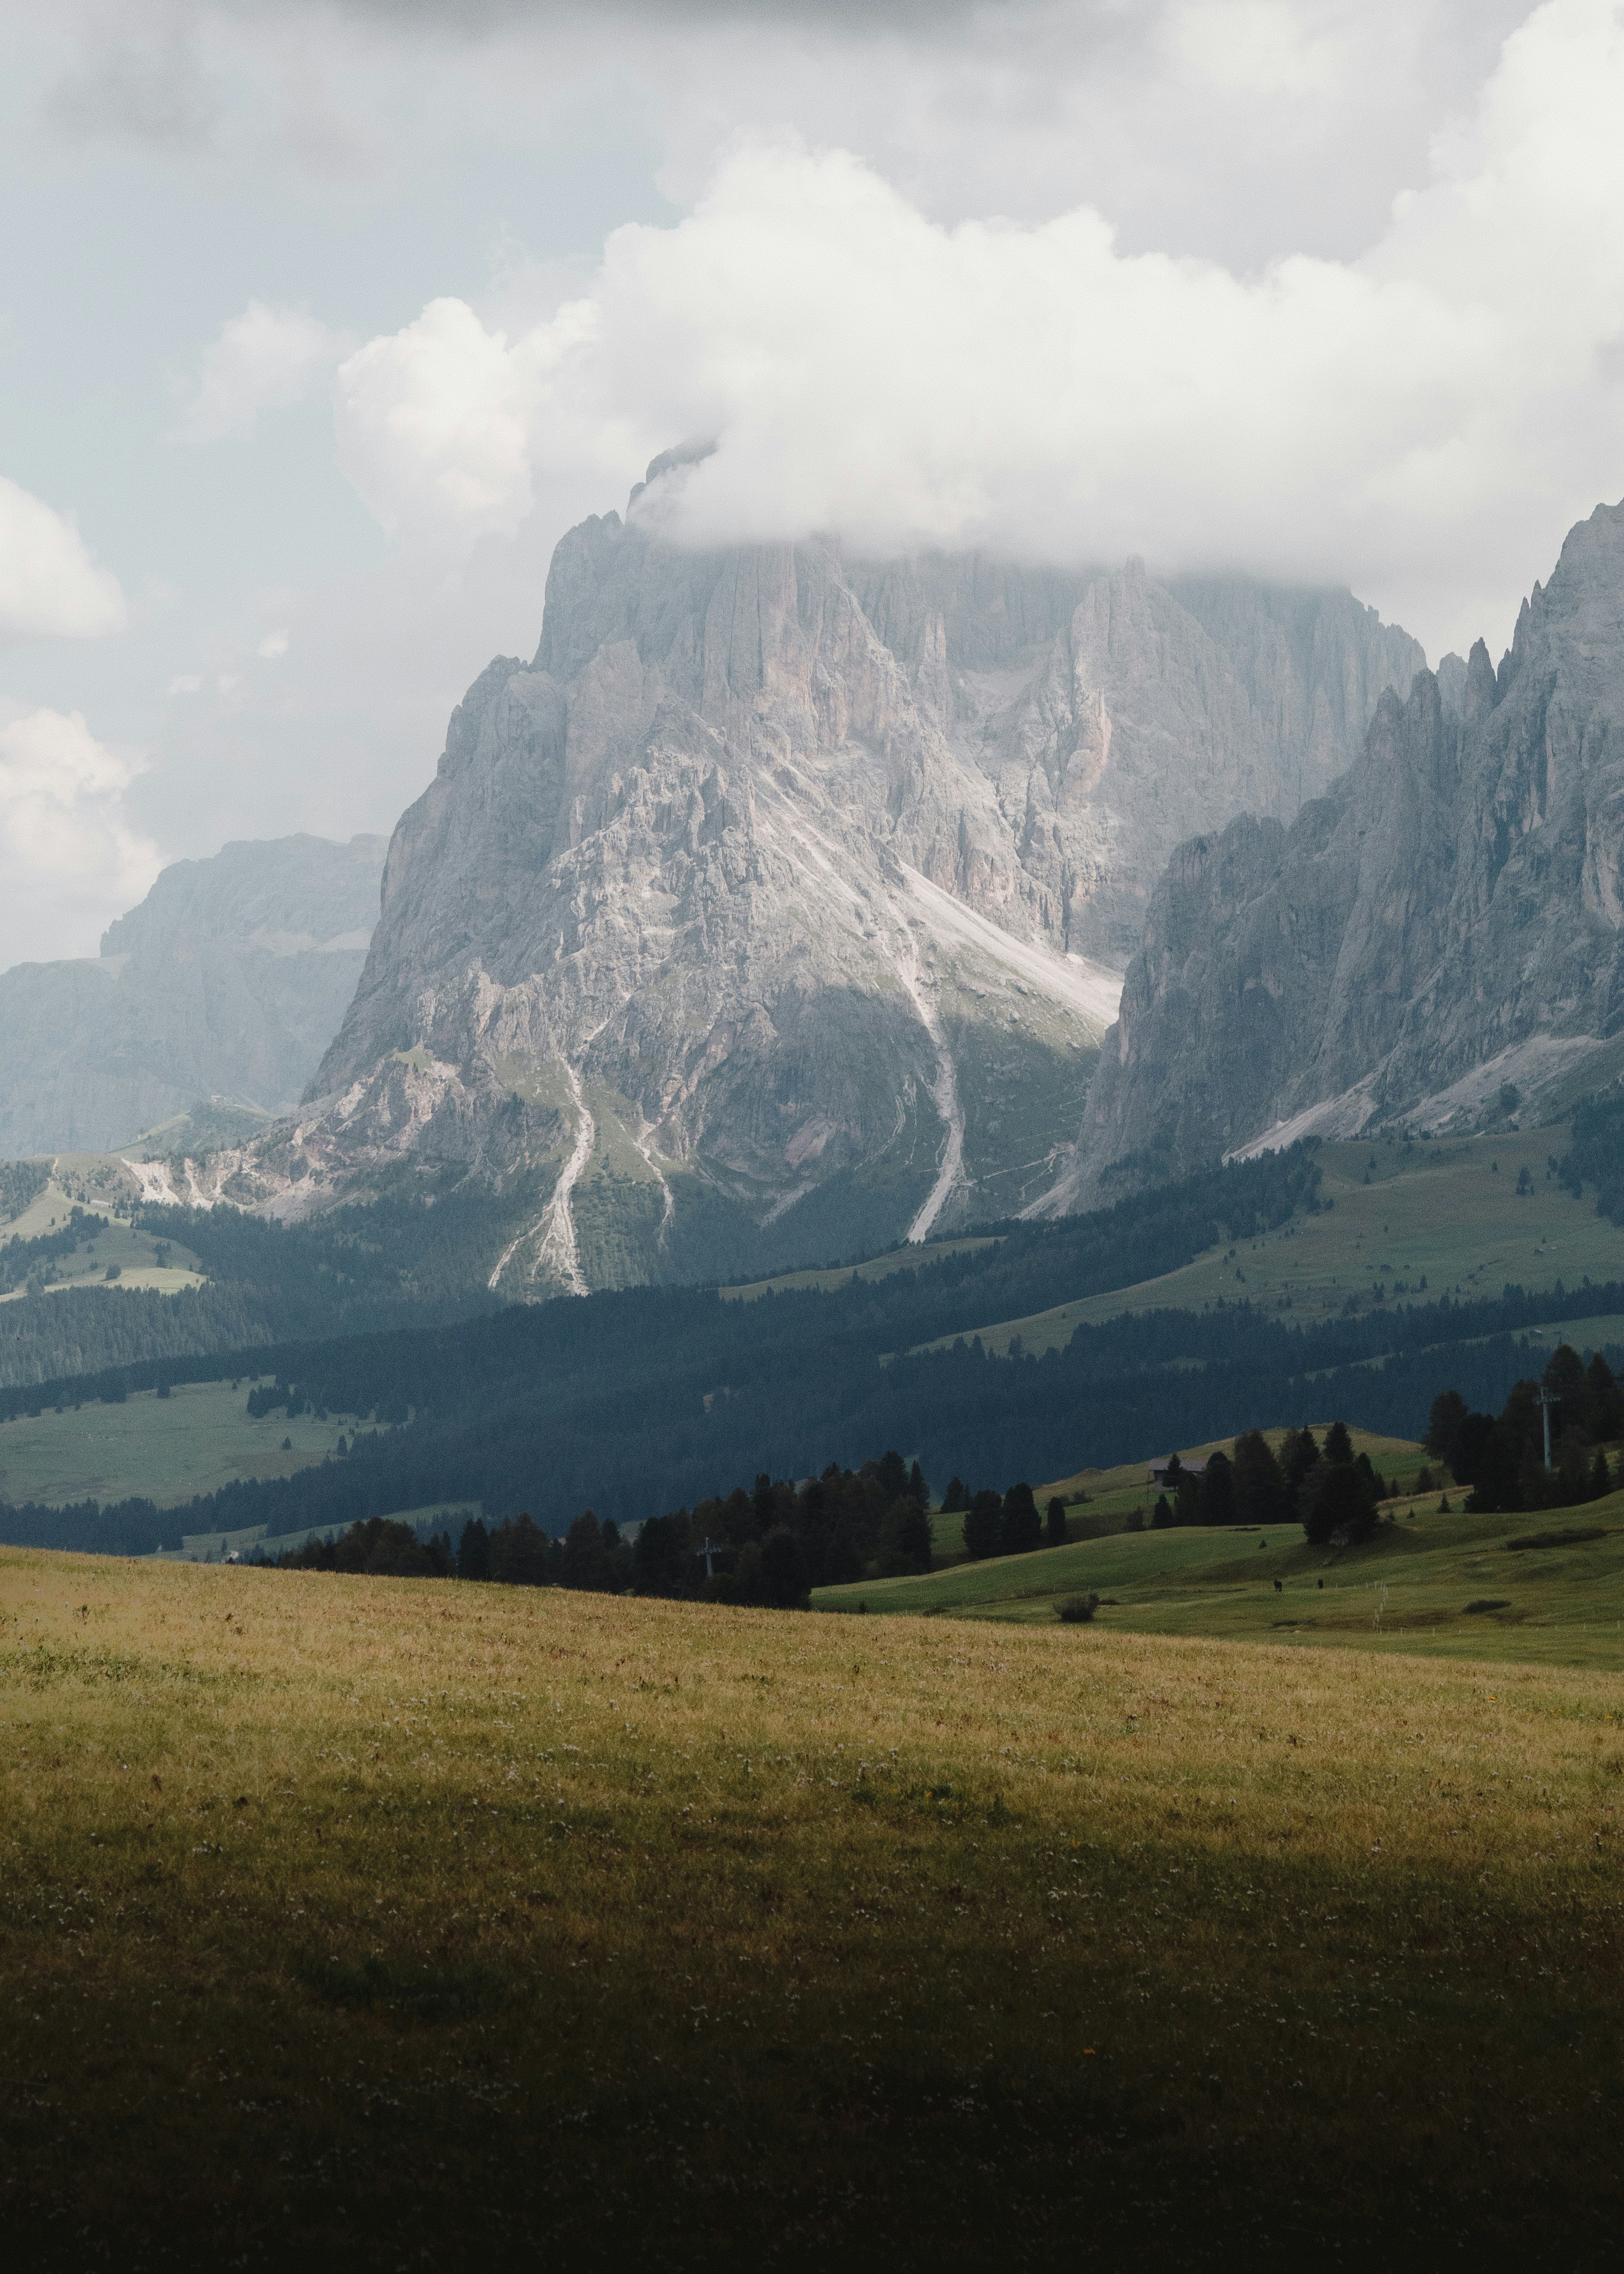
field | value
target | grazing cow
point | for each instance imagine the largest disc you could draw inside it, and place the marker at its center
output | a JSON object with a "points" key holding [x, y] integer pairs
{"points": [[1277, 1586]]}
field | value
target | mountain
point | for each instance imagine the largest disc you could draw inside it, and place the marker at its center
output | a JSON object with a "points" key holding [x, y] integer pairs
{"points": [[1437, 942], [776, 908], [226, 983]]}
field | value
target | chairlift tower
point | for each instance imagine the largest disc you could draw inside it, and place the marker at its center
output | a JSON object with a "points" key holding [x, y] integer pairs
{"points": [[1547, 1399]]}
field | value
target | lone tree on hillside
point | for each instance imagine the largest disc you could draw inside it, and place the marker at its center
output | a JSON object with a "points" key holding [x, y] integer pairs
{"points": [[1443, 1427], [1055, 1527]]}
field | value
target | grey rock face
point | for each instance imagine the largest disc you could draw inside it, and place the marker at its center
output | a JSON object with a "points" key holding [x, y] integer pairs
{"points": [[777, 906], [1448, 921], [228, 981]]}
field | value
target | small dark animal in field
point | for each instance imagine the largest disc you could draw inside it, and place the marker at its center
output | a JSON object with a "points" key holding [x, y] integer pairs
{"points": [[1278, 1589], [1319, 1582]]}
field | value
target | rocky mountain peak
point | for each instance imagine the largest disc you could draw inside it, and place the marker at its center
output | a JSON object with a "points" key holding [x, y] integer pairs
{"points": [[1443, 930], [777, 906]]}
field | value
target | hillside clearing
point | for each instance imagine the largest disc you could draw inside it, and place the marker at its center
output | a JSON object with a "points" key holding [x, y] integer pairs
{"points": [[1440, 1214], [164, 1449], [389, 1923]]}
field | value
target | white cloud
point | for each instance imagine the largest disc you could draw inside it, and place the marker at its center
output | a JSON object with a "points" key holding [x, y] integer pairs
{"points": [[49, 584], [273, 647], [185, 682], [1424, 420], [70, 860], [264, 360], [436, 422]]}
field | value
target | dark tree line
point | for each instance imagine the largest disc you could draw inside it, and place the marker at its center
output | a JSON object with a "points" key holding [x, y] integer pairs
{"points": [[768, 1545], [1501, 1456], [608, 1403]]}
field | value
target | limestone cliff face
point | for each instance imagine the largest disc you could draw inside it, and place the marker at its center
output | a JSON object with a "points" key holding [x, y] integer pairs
{"points": [[1445, 928], [229, 982], [777, 906]]}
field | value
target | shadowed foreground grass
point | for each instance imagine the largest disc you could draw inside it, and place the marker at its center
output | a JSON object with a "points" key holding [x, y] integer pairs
{"points": [[394, 1925]]}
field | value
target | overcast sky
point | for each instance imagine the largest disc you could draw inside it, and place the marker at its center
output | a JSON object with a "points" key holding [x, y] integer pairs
{"points": [[320, 320]]}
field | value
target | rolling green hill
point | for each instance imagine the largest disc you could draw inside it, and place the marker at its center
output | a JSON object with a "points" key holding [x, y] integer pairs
{"points": [[1422, 1219], [1455, 1586]]}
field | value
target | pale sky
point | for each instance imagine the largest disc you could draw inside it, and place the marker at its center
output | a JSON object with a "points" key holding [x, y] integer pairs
{"points": [[320, 322]]}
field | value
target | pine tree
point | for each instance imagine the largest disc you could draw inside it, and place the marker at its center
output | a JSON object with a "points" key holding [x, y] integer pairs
{"points": [[473, 1556], [1218, 1503], [982, 1526], [1601, 1476], [1021, 1529], [1056, 1529], [1260, 1483]]}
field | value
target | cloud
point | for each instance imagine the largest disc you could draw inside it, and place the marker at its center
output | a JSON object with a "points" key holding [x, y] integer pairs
{"points": [[50, 585], [1439, 409], [265, 359], [273, 647], [435, 423], [69, 858]]}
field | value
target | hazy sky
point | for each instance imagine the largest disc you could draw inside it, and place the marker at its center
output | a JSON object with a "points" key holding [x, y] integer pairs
{"points": [[319, 321]]}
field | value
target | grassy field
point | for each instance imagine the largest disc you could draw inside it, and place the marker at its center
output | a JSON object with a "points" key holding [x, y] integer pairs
{"points": [[878, 1267], [163, 1449], [214, 1546], [1440, 1585], [388, 1923], [98, 1182], [1441, 1213]]}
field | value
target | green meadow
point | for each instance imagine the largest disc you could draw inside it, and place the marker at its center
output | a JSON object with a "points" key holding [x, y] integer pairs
{"points": [[1447, 1214], [1544, 1589], [164, 1449]]}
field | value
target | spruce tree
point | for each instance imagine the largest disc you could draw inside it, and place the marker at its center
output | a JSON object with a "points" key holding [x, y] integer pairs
{"points": [[1218, 1503], [1021, 1529], [982, 1526], [1260, 1483], [1055, 1527]]}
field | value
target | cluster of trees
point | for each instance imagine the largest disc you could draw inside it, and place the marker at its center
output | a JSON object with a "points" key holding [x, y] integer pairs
{"points": [[1004, 1524], [1596, 1154], [1333, 1492], [27, 1262], [775, 1543], [770, 1546], [1501, 1456]]}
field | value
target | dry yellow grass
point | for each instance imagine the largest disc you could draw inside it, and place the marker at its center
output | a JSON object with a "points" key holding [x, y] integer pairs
{"points": [[392, 1924]]}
